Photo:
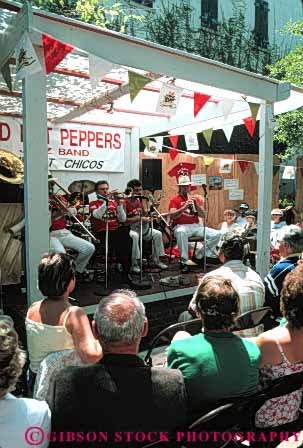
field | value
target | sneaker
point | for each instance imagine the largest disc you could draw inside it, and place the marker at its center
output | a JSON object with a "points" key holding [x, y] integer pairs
{"points": [[135, 270], [170, 281], [213, 260], [161, 265]]}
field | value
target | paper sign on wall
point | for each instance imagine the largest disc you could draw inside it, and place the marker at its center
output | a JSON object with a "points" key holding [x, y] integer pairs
{"points": [[236, 195], [198, 179], [231, 184]]}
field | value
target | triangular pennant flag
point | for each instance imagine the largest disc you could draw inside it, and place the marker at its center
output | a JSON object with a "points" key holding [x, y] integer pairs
{"points": [[228, 130], [254, 108], [275, 169], [199, 101], [191, 141], [250, 125], [6, 73], [27, 61], [159, 141], [227, 105], [173, 152], [243, 165], [146, 142], [136, 83], [257, 168], [98, 67], [54, 52], [151, 148], [208, 161], [207, 135]]}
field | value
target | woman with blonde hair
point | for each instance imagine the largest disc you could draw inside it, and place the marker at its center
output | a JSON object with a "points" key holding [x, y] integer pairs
{"points": [[53, 324], [18, 415]]}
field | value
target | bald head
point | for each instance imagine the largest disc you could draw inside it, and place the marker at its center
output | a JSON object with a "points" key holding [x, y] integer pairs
{"points": [[120, 318]]}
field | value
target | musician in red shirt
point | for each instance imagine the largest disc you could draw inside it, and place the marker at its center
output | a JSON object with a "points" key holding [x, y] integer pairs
{"points": [[103, 208], [134, 209], [185, 211], [62, 238]]}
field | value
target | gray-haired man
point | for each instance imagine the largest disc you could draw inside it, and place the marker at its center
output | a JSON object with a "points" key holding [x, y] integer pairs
{"points": [[120, 393]]}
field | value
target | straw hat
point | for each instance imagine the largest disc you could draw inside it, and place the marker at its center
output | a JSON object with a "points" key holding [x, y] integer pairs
{"points": [[277, 211], [11, 168], [184, 180]]}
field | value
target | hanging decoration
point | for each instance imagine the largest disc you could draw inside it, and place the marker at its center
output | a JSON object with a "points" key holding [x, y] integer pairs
{"points": [[151, 148], [254, 108], [98, 68], [250, 125], [191, 141], [289, 172], [159, 142], [243, 165], [207, 134], [200, 99], [225, 166], [136, 83], [226, 105], [173, 152], [54, 52], [169, 99], [6, 73], [27, 62], [208, 161], [228, 130]]}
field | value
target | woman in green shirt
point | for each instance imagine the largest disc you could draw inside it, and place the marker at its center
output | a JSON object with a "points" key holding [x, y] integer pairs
{"points": [[216, 364]]}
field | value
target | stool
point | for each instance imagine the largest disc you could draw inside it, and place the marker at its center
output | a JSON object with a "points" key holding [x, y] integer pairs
{"points": [[192, 239]]}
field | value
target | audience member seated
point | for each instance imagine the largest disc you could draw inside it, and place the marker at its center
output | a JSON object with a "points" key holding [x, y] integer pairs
{"points": [[233, 250], [216, 364], [53, 324], [241, 220], [120, 393], [277, 223], [229, 225], [282, 353], [290, 246], [250, 228], [17, 414]]}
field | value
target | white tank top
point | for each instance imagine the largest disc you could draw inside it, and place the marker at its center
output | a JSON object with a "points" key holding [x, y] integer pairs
{"points": [[43, 339]]}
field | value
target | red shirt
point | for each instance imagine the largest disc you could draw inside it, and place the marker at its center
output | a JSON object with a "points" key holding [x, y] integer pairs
{"points": [[186, 218], [99, 225], [57, 223], [133, 208]]}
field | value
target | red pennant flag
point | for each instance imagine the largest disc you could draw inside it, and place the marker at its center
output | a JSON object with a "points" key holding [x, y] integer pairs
{"points": [[54, 52], [250, 125], [243, 165], [199, 101], [174, 141]]}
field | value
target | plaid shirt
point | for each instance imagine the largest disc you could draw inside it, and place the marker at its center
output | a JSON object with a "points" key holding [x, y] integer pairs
{"points": [[249, 287]]}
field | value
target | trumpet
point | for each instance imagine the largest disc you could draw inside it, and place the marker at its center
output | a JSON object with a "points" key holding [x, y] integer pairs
{"points": [[118, 195]]}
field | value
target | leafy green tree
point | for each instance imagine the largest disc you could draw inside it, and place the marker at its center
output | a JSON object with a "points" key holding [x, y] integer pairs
{"points": [[289, 130]]}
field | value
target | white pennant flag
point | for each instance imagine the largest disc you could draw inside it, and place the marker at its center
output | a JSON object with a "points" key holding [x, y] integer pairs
{"points": [[159, 141], [169, 99], [257, 168], [98, 67], [226, 105], [27, 61], [151, 148], [289, 172], [228, 130], [191, 141]]}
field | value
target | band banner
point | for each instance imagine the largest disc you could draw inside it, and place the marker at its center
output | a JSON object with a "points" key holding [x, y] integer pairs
{"points": [[72, 146]]}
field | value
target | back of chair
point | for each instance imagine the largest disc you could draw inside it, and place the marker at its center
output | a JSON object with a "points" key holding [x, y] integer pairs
{"points": [[284, 385], [251, 319], [192, 326]]}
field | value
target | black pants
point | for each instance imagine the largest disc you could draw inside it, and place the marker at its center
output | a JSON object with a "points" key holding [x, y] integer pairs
{"points": [[121, 243]]}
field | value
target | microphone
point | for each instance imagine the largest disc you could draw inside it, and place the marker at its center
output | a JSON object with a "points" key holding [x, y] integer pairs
{"points": [[205, 191], [102, 198]]}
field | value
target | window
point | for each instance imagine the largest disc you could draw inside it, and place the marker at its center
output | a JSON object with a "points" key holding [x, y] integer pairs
{"points": [[148, 3], [261, 23], [209, 13]]}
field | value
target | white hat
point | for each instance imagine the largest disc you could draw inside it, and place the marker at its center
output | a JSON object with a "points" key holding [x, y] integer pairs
{"points": [[277, 211], [184, 180]]}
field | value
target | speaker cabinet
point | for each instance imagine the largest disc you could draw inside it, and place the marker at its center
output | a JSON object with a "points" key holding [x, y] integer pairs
{"points": [[152, 174]]}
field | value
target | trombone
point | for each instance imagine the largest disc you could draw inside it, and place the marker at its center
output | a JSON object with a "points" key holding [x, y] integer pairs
{"points": [[63, 206]]}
